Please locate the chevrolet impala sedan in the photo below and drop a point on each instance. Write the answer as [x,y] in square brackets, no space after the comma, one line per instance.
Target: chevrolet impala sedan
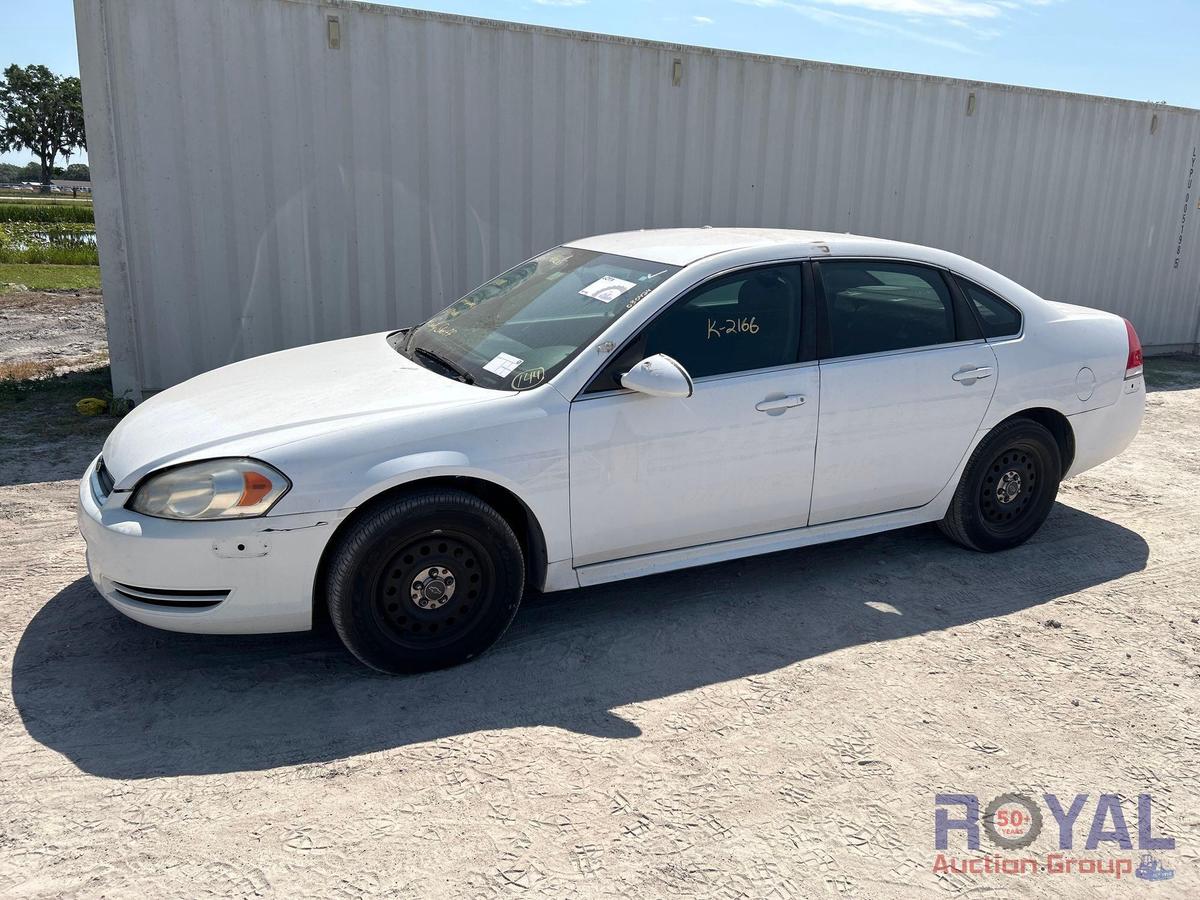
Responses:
[616,406]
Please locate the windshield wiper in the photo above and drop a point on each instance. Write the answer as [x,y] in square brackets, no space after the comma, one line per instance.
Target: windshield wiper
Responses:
[445,364]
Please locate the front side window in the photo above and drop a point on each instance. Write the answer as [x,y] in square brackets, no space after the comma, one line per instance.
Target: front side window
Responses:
[997,317]
[523,327]
[739,322]
[872,306]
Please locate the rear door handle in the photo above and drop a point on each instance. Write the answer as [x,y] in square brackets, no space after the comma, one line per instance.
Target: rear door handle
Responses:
[779,404]
[971,375]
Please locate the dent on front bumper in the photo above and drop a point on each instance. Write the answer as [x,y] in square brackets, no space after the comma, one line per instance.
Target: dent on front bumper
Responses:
[244,576]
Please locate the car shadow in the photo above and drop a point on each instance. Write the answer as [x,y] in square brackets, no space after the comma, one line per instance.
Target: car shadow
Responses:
[1177,372]
[121,700]
[45,436]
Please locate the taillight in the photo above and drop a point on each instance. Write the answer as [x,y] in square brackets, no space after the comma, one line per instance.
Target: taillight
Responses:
[1133,364]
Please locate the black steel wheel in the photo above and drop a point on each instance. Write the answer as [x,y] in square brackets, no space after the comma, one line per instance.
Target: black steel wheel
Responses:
[428,581]
[1007,489]
[433,591]
[1010,488]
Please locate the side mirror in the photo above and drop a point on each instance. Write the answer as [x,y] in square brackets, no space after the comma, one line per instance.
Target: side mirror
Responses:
[658,376]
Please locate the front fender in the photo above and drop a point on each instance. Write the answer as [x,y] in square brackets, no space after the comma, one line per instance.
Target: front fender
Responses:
[393,473]
[518,444]
[550,558]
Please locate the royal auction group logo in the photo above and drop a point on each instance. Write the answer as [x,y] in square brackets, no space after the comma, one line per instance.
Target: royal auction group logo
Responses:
[1013,821]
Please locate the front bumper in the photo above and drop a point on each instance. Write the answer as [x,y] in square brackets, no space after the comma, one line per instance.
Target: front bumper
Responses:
[248,576]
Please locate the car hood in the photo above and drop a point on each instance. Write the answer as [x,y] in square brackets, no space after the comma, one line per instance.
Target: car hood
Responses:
[248,407]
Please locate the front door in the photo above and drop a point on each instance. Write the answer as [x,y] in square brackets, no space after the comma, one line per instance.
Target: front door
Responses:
[734,459]
[905,382]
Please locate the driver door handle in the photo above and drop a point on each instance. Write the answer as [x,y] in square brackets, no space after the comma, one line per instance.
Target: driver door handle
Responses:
[777,404]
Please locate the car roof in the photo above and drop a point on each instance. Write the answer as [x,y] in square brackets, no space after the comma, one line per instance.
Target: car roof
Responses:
[683,246]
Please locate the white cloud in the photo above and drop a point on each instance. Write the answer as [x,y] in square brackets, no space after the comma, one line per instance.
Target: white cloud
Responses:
[967,16]
[702,20]
[872,27]
[942,9]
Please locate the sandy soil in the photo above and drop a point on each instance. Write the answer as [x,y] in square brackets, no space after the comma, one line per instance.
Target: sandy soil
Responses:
[774,727]
[55,331]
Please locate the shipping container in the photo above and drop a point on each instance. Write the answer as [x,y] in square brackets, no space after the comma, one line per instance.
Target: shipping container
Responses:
[270,173]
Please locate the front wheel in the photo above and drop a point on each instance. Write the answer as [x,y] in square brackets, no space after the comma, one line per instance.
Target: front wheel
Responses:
[1007,488]
[426,582]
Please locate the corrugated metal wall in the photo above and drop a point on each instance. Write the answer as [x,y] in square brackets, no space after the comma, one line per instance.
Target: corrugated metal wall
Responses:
[256,189]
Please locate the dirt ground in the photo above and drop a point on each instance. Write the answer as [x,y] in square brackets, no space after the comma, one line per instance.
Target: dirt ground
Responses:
[773,727]
[56,332]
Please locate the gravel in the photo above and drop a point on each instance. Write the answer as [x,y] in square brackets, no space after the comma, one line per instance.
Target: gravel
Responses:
[771,727]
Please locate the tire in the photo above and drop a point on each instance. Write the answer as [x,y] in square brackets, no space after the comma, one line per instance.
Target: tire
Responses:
[1007,488]
[429,581]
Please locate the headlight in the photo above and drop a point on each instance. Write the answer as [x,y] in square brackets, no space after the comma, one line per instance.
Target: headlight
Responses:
[213,489]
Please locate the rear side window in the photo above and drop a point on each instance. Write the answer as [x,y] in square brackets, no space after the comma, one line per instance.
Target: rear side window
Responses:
[875,306]
[997,317]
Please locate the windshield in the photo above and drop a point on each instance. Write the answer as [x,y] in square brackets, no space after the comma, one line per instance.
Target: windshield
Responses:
[522,327]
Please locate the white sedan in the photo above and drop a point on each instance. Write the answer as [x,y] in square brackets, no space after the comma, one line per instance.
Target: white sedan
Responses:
[617,406]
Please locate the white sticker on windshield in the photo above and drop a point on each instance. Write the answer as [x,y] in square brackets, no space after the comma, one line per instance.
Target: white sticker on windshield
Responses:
[503,364]
[607,289]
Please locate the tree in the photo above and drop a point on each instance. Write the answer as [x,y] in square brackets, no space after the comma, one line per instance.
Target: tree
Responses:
[77,172]
[42,113]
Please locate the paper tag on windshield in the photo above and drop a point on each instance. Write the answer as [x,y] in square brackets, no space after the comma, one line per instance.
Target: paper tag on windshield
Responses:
[503,364]
[607,289]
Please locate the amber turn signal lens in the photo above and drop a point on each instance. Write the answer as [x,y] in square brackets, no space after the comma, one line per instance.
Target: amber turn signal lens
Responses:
[256,487]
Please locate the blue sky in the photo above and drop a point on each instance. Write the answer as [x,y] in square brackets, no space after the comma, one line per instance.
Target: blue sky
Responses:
[1142,51]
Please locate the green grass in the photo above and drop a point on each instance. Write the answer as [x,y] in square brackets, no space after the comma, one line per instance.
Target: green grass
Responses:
[45,212]
[51,278]
[54,256]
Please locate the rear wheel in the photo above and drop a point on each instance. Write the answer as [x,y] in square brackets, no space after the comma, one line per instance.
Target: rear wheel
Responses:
[1007,488]
[427,582]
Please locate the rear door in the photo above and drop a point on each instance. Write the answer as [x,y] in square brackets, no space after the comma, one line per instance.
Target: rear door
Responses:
[906,379]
